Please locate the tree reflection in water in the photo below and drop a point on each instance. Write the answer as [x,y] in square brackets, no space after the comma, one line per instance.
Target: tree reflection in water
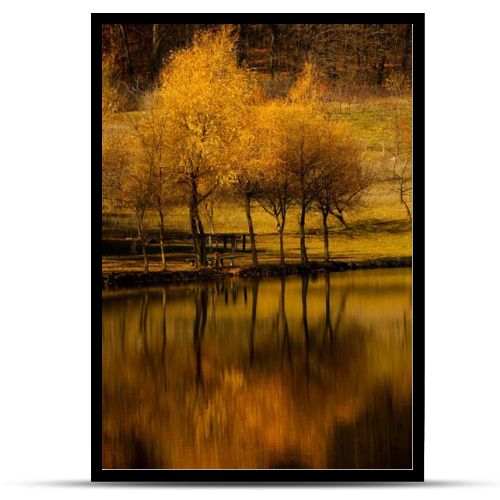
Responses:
[200,321]
[255,293]
[324,383]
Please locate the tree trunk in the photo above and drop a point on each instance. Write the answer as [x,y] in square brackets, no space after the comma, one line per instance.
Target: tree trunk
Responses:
[380,54]
[194,233]
[162,238]
[140,231]
[123,33]
[380,71]
[282,247]
[302,224]
[406,49]
[272,51]
[145,256]
[155,50]
[248,209]
[201,235]
[403,201]
[198,237]
[325,236]
[197,228]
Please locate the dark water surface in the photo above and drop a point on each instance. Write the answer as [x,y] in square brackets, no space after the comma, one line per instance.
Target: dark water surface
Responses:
[302,372]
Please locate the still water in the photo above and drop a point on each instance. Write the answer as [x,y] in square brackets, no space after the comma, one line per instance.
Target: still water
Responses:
[302,372]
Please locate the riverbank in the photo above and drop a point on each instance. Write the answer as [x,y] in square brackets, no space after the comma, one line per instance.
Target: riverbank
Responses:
[127,279]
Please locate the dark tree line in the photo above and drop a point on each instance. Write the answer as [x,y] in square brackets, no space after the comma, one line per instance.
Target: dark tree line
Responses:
[349,54]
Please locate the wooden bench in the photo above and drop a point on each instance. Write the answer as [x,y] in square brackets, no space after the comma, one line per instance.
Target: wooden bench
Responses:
[224,240]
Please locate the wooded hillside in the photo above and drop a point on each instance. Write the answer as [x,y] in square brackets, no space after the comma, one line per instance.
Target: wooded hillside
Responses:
[351,55]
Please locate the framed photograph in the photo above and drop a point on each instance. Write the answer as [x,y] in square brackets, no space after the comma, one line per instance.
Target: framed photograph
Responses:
[258,235]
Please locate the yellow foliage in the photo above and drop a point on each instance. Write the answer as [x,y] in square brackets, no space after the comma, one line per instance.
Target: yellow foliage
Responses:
[109,97]
[309,88]
[203,95]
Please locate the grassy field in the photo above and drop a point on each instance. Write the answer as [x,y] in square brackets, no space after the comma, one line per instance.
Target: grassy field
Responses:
[378,229]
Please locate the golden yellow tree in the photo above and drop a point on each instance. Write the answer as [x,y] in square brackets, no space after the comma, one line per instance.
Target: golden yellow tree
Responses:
[204,96]
[307,141]
[259,149]
[307,148]
[114,163]
[299,139]
[276,191]
[309,88]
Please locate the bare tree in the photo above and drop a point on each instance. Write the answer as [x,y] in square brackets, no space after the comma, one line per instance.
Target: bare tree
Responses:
[276,197]
[249,186]
[149,129]
[401,160]
[135,192]
[340,183]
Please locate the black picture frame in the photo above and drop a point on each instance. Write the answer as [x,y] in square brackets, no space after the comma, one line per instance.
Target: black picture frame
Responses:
[251,476]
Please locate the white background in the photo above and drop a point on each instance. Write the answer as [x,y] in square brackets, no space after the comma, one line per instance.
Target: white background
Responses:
[45,249]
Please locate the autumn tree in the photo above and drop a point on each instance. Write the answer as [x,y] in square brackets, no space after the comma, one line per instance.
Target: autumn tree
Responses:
[114,164]
[306,143]
[131,155]
[341,180]
[149,129]
[209,209]
[204,95]
[276,193]
[133,180]
[258,152]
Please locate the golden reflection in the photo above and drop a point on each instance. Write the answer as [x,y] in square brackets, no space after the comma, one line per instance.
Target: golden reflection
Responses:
[302,372]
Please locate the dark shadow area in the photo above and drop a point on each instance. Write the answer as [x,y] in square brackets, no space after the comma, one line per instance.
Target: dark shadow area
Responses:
[122,247]
[375,226]
[380,438]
